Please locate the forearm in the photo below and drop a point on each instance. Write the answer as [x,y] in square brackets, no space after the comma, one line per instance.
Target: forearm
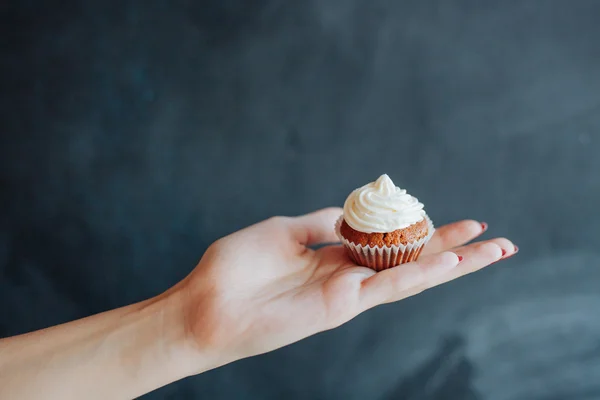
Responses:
[122,353]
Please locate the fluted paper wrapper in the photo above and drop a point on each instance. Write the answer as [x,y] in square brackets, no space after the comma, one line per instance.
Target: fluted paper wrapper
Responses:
[380,258]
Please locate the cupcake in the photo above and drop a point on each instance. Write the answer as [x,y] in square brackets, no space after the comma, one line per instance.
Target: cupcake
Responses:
[383,226]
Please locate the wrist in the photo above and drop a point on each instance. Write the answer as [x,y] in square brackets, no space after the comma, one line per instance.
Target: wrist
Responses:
[182,355]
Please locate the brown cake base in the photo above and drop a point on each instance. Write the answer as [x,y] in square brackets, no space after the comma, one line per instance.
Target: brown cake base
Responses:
[380,251]
[402,236]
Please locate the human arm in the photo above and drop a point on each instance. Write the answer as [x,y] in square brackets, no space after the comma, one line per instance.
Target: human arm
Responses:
[118,354]
[253,291]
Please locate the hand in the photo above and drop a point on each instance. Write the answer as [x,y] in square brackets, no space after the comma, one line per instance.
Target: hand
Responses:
[262,288]
[254,291]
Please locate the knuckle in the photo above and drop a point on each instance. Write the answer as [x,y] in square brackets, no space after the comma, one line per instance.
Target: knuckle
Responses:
[492,249]
[446,257]
[470,227]
[332,210]
[504,243]
[418,290]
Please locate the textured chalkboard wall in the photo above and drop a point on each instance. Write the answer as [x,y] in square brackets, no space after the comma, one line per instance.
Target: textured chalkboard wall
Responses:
[134,133]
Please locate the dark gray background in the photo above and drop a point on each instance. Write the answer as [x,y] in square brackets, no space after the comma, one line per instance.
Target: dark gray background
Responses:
[134,133]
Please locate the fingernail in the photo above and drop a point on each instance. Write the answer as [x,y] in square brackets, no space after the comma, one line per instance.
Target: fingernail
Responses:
[513,253]
[484,226]
[460,258]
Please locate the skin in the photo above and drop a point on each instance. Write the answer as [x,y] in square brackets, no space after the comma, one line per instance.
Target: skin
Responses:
[252,292]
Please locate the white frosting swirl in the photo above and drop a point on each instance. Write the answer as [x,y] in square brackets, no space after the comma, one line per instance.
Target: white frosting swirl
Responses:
[381,206]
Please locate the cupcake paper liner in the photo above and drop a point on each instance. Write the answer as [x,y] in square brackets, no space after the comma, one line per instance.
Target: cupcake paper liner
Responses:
[380,258]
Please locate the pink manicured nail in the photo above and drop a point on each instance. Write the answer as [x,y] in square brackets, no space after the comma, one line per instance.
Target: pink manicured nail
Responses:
[484,226]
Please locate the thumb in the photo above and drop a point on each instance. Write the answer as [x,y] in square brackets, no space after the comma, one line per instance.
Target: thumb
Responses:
[316,227]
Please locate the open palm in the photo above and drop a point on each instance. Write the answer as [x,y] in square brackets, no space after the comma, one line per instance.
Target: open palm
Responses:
[264,287]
